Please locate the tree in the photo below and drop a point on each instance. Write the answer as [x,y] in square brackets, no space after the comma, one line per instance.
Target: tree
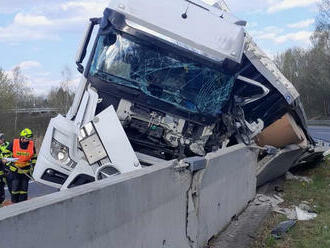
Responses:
[309,70]
[321,37]
[323,18]
[24,97]
[7,95]
[62,96]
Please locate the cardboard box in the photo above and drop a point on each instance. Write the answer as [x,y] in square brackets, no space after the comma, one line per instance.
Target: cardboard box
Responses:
[281,133]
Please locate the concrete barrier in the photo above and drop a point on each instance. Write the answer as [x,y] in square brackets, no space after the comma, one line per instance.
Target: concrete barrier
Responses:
[222,190]
[279,164]
[159,206]
[142,209]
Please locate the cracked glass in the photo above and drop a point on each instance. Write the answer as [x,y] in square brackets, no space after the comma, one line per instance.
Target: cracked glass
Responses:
[161,74]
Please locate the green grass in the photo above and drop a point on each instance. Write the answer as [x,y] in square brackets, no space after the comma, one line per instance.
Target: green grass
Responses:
[305,234]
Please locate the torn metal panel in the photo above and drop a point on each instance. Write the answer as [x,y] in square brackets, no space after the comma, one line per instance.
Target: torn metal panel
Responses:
[312,156]
[269,70]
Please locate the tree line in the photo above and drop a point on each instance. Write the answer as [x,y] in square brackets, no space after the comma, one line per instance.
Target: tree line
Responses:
[16,94]
[309,69]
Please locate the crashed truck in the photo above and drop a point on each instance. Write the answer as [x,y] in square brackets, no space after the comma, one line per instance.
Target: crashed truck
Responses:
[171,80]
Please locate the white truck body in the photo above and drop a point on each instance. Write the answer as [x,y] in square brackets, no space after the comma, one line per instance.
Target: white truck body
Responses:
[217,44]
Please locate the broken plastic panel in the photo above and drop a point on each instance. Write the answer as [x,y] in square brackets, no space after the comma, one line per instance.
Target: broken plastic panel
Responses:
[282,228]
[104,141]
[304,215]
[91,144]
[158,73]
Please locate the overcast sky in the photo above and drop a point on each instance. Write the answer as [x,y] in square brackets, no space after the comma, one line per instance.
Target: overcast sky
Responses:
[42,36]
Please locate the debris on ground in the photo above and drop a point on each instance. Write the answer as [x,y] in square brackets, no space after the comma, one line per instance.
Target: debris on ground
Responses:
[282,228]
[304,215]
[301,212]
[289,213]
[290,176]
[326,154]
[304,206]
[274,202]
[312,198]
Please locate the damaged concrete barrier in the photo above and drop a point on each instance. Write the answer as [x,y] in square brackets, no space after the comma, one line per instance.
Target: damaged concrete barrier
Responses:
[221,191]
[158,206]
[279,164]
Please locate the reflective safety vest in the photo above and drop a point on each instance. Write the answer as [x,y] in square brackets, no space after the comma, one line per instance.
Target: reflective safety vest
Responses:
[4,152]
[24,155]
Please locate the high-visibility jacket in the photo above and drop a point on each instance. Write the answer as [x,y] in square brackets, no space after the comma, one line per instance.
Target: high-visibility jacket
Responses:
[4,153]
[24,155]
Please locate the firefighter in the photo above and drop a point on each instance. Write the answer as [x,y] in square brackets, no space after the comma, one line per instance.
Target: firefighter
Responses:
[20,171]
[4,153]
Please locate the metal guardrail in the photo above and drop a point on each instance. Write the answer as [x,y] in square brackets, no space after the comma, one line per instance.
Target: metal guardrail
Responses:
[318,122]
[33,110]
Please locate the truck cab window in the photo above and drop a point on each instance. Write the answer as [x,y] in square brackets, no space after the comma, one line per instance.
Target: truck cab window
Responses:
[158,73]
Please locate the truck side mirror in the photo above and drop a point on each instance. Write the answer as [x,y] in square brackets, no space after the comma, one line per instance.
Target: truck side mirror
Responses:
[81,54]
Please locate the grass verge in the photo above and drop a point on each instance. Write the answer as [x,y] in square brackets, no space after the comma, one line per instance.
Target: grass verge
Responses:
[305,234]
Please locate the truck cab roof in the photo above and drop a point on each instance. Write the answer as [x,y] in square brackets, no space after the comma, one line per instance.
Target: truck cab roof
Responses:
[197,26]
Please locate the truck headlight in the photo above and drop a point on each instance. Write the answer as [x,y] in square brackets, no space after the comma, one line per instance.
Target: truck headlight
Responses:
[60,153]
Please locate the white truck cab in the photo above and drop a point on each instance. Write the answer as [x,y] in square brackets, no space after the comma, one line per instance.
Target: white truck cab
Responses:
[164,80]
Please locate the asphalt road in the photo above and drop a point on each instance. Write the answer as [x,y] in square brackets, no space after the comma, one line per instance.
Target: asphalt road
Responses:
[320,132]
[35,190]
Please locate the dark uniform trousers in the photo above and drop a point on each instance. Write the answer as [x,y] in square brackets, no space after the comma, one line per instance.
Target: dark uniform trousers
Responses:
[4,153]
[2,189]
[2,183]
[19,184]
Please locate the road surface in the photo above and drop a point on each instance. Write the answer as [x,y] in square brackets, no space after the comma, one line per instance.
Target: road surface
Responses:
[35,190]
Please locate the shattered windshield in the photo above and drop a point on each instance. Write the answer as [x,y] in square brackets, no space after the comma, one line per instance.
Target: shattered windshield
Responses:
[157,73]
